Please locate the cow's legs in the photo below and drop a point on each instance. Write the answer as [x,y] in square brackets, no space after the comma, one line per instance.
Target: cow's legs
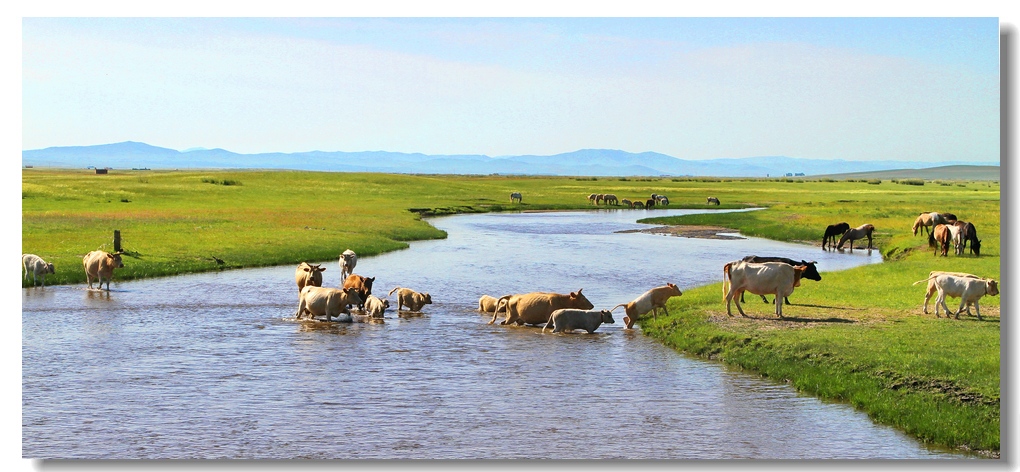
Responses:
[739,308]
[779,305]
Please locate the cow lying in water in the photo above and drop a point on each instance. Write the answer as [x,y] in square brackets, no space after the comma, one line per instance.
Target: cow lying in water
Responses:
[651,301]
[768,277]
[326,301]
[536,307]
[569,319]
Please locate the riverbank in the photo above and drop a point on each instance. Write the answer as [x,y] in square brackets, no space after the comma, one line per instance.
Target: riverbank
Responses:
[857,336]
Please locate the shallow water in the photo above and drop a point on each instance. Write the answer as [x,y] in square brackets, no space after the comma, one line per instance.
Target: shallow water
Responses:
[214,365]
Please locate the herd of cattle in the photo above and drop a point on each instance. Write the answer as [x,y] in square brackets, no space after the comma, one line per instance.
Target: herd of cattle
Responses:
[566,312]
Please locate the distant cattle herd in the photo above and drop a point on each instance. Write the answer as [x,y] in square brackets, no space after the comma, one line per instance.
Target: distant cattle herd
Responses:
[777,276]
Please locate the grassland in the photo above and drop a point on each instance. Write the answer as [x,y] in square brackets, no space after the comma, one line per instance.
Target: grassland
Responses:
[857,336]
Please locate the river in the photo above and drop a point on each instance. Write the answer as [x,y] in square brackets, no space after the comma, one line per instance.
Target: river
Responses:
[213,366]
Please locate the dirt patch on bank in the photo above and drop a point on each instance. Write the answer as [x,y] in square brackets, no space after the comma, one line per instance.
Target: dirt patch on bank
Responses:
[690,231]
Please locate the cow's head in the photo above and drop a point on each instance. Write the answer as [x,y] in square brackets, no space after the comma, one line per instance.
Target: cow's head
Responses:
[578,300]
[810,271]
[676,290]
[993,287]
[50,269]
[353,298]
[426,298]
[607,317]
[114,259]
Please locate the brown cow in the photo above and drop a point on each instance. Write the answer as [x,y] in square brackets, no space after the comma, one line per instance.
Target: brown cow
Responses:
[651,301]
[362,284]
[100,265]
[414,301]
[535,308]
[489,304]
[307,274]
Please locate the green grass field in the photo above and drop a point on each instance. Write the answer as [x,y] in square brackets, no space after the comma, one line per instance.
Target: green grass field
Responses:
[858,336]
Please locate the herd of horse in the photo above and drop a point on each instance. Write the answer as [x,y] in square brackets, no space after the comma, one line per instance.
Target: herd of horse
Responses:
[943,229]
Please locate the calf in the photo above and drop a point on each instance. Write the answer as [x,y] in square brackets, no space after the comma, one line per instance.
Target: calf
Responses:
[768,277]
[811,273]
[36,266]
[651,301]
[375,306]
[968,289]
[100,265]
[307,274]
[932,289]
[489,304]
[413,300]
[568,319]
[363,285]
[320,301]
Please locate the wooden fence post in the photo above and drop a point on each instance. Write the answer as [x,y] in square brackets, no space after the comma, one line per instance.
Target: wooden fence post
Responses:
[116,240]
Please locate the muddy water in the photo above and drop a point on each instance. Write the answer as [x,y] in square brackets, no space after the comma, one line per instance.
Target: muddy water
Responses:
[215,366]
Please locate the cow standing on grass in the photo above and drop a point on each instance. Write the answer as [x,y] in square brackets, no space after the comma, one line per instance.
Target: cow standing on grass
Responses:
[968,289]
[760,279]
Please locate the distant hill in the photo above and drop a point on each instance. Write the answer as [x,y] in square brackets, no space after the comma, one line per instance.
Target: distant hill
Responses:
[584,162]
[961,172]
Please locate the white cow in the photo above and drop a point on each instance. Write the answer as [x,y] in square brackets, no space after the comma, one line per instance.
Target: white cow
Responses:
[566,320]
[376,307]
[932,289]
[969,290]
[774,278]
[319,301]
[347,262]
[36,266]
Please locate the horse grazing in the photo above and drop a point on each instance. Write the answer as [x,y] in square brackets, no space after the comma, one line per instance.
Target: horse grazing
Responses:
[712,200]
[940,236]
[860,232]
[950,218]
[834,231]
[515,197]
[959,236]
[970,234]
[925,222]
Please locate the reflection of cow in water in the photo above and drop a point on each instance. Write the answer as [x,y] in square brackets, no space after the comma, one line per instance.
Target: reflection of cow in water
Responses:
[860,232]
[712,201]
[832,232]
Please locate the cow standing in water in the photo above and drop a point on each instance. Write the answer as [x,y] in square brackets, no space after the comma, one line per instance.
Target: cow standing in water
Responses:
[99,265]
[348,260]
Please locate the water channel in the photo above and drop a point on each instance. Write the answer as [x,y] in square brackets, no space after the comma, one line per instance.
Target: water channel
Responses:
[214,365]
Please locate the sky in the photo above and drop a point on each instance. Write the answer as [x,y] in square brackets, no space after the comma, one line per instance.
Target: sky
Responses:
[924,89]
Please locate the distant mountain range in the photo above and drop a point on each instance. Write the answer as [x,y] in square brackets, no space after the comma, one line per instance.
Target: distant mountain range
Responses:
[585,162]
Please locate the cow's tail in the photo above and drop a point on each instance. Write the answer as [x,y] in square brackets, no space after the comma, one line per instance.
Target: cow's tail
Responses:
[725,278]
[394,290]
[925,280]
[548,324]
[617,306]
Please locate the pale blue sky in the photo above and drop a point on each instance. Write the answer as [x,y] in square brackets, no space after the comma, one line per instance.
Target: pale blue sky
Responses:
[826,88]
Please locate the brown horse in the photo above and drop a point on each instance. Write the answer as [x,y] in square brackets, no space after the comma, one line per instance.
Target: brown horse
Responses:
[941,237]
[860,232]
[834,231]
